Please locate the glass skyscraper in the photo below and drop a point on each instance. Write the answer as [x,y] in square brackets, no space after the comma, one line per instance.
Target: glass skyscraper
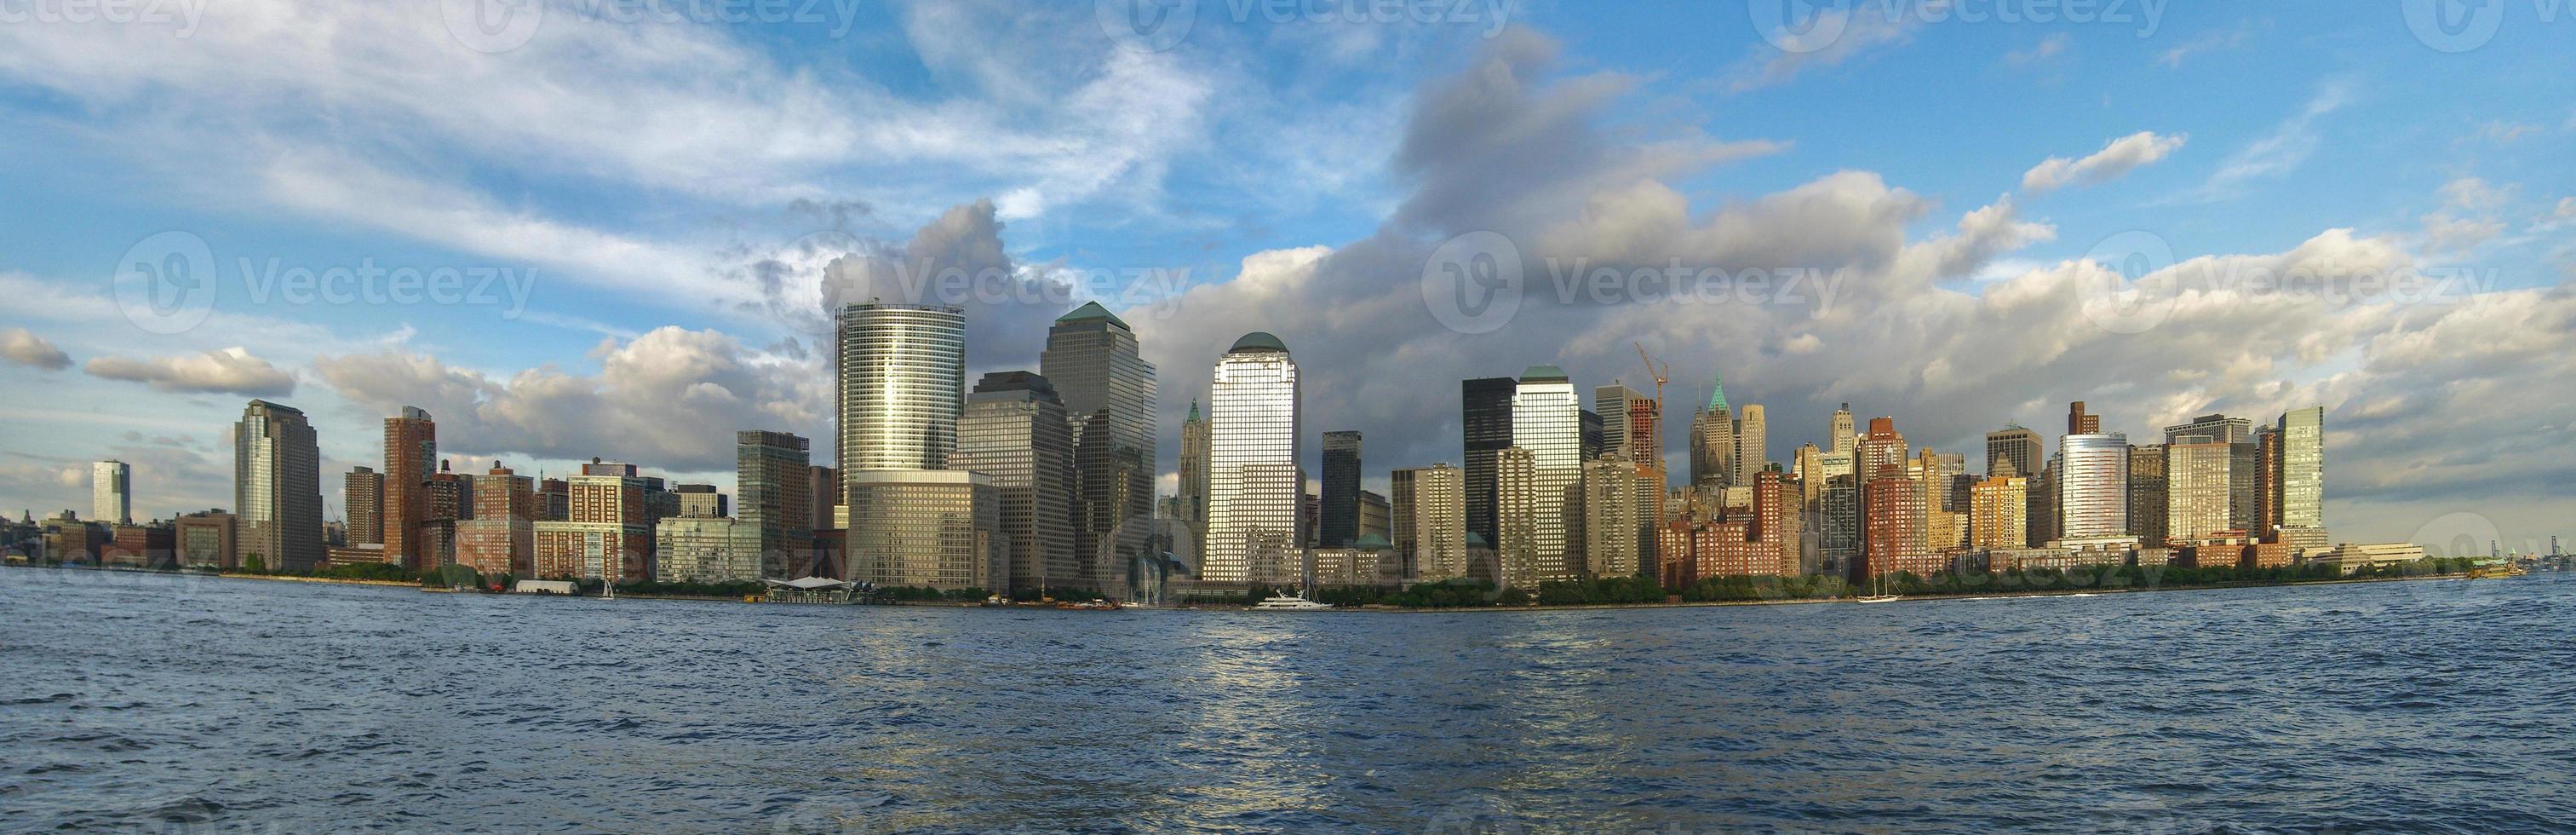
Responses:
[277,487]
[2092,482]
[2303,467]
[903,385]
[1108,390]
[1485,416]
[1254,483]
[1547,420]
[1339,523]
[1015,432]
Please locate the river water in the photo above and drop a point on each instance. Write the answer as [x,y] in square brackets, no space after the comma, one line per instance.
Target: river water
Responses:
[158,703]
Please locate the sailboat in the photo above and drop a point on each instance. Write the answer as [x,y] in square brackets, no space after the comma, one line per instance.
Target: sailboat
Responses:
[1878,584]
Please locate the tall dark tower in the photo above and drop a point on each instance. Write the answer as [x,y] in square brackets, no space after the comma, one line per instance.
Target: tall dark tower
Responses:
[1485,417]
[1340,522]
[1108,393]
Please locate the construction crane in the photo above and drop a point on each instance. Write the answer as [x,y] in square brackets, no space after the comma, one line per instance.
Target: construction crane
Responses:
[1660,375]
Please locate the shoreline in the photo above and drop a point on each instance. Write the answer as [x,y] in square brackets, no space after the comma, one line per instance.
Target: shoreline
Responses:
[1373,608]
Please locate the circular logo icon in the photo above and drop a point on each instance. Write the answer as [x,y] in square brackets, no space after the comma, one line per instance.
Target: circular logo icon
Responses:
[1146,25]
[165,284]
[2453,26]
[2127,284]
[492,26]
[2457,535]
[1473,283]
[1800,26]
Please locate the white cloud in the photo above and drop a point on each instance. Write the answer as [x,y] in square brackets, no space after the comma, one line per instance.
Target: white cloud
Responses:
[2282,150]
[2213,41]
[2117,157]
[2048,47]
[228,371]
[1835,35]
[20,346]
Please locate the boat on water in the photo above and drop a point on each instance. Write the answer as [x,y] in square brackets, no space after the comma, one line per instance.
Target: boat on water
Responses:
[1878,598]
[1290,603]
[2496,570]
[1093,605]
[1878,591]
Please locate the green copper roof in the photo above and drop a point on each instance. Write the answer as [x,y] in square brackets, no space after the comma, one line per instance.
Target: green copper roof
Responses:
[1371,542]
[1543,373]
[1716,392]
[1258,341]
[1091,312]
[1194,410]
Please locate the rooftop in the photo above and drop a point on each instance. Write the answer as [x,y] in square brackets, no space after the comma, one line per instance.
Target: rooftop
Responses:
[1258,341]
[1091,312]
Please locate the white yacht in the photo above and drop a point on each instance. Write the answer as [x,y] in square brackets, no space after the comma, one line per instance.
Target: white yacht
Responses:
[1291,603]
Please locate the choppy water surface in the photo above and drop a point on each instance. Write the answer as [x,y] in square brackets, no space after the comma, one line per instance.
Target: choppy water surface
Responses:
[150,702]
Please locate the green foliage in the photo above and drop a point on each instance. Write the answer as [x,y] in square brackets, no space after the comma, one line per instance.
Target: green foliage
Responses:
[651,588]
[1448,594]
[924,594]
[1601,591]
[367,571]
[1754,588]
[254,564]
[451,576]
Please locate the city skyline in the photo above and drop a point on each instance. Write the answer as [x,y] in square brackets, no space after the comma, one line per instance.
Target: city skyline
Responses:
[2107,160]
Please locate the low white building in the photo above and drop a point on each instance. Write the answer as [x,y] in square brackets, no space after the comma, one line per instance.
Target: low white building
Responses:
[706,550]
[2352,557]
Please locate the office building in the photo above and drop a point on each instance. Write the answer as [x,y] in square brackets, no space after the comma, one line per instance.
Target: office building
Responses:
[1485,420]
[1093,361]
[1517,499]
[1892,526]
[1752,444]
[411,457]
[1713,440]
[1015,432]
[1776,530]
[1609,515]
[1255,485]
[1193,487]
[2092,486]
[1845,439]
[2012,450]
[2148,496]
[111,492]
[1616,404]
[205,539]
[2302,479]
[2211,428]
[362,493]
[2080,422]
[701,501]
[1339,516]
[277,487]
[2197,478]
[775,493]
[1439,527]
[706,549]
[937,529]
[1375,516]
[902,387]
[1546,420]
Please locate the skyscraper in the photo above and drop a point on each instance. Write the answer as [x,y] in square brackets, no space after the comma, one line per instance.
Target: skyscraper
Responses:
[902,386]
[1844,438]
[605,532]
[1254,483]
[1194,485]
[1547,421]
[2303,468]
[773,481]
[2014,447]
[111,492]
[1015,433]
[2147,493]
[2197,474]
[1997,509]
[1485,420]
[362,493]
[1439,527]
[1752,444]
[1609,514]
[1108,390]
[1612,403]
[1340,516]
[2092,484]
[411,457]
[1713,440]
[1882,447]
[938,529]
[1776,530]
[2080,422]
[277,487]
[1892,526]
[1516,510]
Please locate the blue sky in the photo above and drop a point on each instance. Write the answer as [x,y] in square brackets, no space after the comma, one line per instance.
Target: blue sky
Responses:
[651,170]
